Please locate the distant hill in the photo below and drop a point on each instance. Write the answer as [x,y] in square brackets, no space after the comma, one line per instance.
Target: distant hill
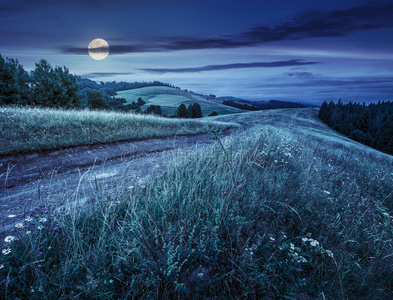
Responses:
[259,105]
[169,98]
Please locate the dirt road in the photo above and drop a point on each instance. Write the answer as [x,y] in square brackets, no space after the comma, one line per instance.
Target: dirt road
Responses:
[64,176]
[75,174]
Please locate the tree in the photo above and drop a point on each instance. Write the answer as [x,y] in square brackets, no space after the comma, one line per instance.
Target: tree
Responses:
[14,83]
[96,101]
[182,111]
[154,109]
[141,102]
[194,111]
[54,87]
[68,88]
[214,113]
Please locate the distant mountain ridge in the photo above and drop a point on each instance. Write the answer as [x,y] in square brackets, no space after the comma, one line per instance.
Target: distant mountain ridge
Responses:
[259,105]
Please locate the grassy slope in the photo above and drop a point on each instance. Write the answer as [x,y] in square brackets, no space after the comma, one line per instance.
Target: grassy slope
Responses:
[170,98]
[286,208]
[32,129]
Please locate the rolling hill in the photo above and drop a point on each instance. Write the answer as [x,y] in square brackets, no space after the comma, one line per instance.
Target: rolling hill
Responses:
[170,98]
[286,209]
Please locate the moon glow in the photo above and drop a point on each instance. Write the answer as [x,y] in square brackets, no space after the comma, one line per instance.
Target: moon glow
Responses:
[98,49]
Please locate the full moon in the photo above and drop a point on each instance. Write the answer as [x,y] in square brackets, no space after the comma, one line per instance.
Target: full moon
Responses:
[98,49]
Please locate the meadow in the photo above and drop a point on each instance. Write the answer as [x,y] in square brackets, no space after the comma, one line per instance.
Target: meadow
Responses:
[286,209]
[28,129]
[170,98]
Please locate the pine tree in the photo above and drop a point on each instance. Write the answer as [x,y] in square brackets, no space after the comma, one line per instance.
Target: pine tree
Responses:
[182,111]
[14,83]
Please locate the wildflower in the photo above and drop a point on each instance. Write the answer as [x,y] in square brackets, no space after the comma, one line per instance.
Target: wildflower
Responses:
[292,246]
[28,232]
[40,227]
[11,216]
[43,220]
[19,225]
[302,259]
[29,219]
[330,253]
[6,251]
[299,270]
[314,243]
[272,239]
[9,239]
[1,266]
[55,228]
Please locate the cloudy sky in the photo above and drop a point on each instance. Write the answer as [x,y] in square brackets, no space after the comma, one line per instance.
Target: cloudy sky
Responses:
[301,50]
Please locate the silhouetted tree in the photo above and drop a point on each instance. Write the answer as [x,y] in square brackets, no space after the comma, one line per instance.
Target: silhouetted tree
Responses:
[182,111]
[194,111]
[14,83]
[96,101]
[154,109]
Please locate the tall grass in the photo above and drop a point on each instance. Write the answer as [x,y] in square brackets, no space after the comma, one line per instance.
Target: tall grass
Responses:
[32,129]
[270,213]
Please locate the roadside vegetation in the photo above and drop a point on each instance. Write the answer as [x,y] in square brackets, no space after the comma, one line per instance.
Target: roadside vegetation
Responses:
[27,129]
[278,211]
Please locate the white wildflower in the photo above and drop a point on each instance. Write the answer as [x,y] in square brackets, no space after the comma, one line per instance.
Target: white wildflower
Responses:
[6,251]
[9,239]
[29,219]
[1,266]
[28,232]
[19,225]
[43,220]
[292,246]
[301,259]
[40,227]
[11,216]
[272,239]
[304,239]
[314,243]
[330,253]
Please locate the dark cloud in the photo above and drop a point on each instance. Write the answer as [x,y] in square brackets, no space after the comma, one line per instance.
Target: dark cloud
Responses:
[334,23]
[312,24]
[299,74]
[21,6]
[274,64]
[345,82]
[105,74]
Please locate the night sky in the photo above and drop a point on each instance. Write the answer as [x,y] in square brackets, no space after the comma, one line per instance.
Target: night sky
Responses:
[300,50]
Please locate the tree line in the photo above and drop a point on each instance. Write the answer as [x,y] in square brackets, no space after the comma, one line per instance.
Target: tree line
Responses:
[255,105]
[371,124]
[44,86]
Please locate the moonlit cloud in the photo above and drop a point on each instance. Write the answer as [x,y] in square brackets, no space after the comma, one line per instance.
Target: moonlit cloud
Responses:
[312,24]
[105,74]
[274,64]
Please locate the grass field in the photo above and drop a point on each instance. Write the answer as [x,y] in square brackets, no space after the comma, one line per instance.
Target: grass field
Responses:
[33,129]
[285,210]
[170,98]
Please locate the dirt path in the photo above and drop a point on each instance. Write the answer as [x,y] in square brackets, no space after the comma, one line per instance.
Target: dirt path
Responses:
[65,176]
[75,174]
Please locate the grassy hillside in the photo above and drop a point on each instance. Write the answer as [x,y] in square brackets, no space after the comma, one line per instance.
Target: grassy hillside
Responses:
[170,98]
[32,129]
[288,209]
